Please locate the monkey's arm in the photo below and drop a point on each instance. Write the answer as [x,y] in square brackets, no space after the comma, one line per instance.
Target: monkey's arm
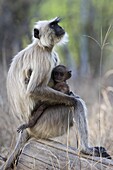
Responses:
[37,90]
[51,96]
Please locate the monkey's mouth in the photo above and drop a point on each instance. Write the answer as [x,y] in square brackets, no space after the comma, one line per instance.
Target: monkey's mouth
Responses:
[60,33]
[58,81]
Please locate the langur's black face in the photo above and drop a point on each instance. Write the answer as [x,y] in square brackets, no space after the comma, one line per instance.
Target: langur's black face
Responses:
[49,33]
[59,31]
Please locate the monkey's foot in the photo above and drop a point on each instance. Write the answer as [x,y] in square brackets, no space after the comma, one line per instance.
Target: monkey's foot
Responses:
[102,152]
[97,151]
[21,128]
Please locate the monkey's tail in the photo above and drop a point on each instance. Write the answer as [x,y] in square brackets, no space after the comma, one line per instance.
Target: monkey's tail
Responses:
[22,139]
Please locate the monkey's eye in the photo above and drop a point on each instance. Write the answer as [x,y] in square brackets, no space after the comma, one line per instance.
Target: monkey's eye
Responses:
[59,74]
[56,73]
[53,24]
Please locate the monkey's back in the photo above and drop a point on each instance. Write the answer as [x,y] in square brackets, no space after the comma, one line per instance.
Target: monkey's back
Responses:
[33,57]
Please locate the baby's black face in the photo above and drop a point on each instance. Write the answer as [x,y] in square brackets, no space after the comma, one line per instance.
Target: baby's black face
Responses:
[61,75]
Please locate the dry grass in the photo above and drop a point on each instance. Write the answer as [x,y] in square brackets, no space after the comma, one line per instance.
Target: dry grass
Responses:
[6,125]
[101,118]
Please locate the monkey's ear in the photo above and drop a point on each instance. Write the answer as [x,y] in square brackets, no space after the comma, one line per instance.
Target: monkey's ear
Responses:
[36,33]
[69,74]
[70,71]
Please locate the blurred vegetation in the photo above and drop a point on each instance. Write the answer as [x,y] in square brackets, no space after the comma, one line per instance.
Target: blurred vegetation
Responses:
[89,54]
[80,17]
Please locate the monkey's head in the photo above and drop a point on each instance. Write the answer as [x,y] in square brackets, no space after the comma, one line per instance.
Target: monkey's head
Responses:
[49,33]
[60,74]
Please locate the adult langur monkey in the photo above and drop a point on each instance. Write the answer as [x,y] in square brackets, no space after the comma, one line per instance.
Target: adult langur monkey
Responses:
[39,58]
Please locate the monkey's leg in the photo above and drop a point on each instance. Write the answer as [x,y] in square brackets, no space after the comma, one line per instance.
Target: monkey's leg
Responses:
[81,125]
[35,115]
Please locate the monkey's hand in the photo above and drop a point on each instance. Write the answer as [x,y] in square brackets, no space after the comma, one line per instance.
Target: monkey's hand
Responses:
[75,95]
[22,127]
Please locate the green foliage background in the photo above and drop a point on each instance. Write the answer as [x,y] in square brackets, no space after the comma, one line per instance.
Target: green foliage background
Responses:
[80,17]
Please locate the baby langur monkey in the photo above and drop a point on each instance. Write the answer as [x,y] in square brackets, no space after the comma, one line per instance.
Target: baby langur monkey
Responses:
[59,76]
[58,82]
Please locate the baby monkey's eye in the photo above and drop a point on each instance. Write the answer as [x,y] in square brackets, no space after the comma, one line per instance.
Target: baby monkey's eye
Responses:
[56,73]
